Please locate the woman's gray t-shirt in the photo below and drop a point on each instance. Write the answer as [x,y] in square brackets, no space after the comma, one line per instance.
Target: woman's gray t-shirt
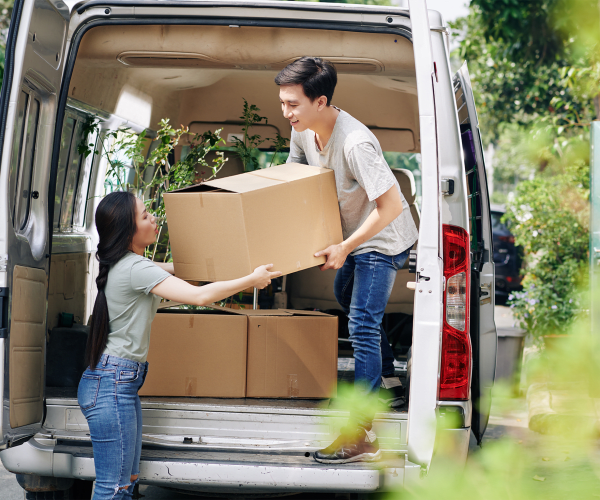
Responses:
[131,306]
[361,176]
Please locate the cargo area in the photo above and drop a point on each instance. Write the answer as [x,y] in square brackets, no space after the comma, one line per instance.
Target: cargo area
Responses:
[198,76]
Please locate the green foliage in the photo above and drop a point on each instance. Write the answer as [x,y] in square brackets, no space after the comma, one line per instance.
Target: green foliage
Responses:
[248,148]
[550,221]
[6,8]
[149,175]
[535,74]
[520,77]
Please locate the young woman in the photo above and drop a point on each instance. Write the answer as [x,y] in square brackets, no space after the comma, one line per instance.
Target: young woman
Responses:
[129,290]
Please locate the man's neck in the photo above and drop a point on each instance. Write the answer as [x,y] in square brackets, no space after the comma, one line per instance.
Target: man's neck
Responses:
[324,128]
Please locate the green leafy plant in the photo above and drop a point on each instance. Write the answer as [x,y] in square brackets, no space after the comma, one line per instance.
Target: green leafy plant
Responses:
[550,221]
[248,147]
[150,175]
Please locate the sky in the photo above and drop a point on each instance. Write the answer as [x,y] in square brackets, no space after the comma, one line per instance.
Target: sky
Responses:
[450,9]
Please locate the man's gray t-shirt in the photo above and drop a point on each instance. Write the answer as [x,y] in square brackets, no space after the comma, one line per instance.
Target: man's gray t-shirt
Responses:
[131,306]
[361,175]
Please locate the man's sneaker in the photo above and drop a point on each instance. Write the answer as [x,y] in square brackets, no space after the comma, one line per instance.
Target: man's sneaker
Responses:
[358,445]
[391,392]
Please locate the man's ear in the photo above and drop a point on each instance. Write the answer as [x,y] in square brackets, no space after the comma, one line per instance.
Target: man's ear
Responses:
[322,103]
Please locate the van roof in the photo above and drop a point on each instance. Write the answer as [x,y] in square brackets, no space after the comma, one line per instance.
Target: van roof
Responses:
[435,18]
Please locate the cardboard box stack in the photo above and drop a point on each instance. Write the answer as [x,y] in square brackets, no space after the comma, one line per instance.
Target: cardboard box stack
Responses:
[271,353]
[222,230]
[225,228]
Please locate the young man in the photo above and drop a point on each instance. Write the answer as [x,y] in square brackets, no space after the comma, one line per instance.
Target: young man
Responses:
[377,227]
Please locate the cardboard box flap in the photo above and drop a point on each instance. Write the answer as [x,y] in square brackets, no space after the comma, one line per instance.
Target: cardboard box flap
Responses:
[295,312]
[260,179]
[289,172]
[243,183]
[253,312]
[271,312]
[166,307]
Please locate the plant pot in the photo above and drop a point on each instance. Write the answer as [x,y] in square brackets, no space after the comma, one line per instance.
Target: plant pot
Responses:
[509,357]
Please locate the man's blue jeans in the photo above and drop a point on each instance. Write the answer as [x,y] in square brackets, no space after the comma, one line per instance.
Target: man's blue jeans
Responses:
[108,397]
[362,287]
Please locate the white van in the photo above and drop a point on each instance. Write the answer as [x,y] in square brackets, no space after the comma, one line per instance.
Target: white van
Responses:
[132,63]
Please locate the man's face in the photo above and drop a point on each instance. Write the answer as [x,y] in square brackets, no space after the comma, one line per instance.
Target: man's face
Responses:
[299,109]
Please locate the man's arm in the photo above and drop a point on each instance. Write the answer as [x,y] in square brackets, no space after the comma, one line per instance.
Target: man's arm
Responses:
[389,206]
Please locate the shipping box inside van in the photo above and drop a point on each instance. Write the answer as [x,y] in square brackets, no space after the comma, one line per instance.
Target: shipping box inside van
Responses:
[225,228]
[225,353]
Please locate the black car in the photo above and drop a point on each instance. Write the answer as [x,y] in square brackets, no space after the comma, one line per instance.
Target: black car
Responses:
[507,256]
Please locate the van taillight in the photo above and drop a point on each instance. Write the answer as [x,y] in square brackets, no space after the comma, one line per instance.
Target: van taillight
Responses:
[456,345]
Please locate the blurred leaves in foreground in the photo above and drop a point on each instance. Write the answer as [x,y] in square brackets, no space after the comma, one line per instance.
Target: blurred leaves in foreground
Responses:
[563,464]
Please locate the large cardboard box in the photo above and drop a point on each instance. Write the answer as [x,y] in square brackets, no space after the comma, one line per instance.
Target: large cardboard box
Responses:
[292,354]
[225,228]
[197,353]
[225,353]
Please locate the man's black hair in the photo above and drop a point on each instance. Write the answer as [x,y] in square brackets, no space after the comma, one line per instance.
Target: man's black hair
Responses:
[317,76]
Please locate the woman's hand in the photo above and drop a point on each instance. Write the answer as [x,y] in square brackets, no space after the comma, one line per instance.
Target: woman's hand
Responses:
[179,291]
[262,276]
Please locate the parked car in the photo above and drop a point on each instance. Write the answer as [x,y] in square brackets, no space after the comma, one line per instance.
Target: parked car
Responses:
[508,257]
[134,63]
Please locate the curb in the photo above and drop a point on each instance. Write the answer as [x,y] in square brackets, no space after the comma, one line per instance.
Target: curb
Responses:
[561,411]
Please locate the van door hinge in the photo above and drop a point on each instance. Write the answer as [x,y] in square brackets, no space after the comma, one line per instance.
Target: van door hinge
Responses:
[3,263]
[3,312]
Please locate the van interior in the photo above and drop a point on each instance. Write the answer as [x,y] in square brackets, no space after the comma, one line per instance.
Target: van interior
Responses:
[198,76]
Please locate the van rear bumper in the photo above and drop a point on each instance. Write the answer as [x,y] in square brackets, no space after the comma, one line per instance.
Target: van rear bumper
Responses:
[217,471]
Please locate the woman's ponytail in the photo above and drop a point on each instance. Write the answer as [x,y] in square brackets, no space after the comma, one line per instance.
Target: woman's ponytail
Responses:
[115,222]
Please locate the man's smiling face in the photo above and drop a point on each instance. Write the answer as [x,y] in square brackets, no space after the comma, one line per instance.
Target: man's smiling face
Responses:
[299,109]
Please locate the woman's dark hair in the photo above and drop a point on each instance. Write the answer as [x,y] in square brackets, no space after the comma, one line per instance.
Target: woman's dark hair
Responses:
[115,222]
[317,76]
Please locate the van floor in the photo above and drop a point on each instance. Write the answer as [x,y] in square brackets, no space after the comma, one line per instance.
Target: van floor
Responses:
[345,374]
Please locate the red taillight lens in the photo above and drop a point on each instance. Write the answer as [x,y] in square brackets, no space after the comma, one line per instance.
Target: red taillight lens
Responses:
[456,345]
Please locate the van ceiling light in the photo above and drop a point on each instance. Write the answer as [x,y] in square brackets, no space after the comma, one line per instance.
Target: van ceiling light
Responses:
[149,59]
[343,64]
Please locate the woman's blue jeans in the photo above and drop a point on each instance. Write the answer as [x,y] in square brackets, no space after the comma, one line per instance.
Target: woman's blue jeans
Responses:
[362,287]
[108,397]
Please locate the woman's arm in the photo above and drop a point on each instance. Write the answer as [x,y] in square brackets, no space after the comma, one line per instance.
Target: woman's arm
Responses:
[179,291]
[166,266]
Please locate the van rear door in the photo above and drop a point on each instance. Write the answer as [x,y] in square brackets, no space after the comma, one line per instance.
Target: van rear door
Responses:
[428,304]
[33,72]
[483,327]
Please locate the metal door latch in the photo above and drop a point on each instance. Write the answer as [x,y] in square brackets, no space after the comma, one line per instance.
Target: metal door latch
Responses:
[447,187]
[485,289]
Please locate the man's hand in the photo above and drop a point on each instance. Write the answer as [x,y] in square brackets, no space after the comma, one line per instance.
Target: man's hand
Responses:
[336,256]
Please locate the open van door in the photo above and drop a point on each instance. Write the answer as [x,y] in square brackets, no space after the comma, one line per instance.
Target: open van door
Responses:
[483,327]
[33,72]
[428,304]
